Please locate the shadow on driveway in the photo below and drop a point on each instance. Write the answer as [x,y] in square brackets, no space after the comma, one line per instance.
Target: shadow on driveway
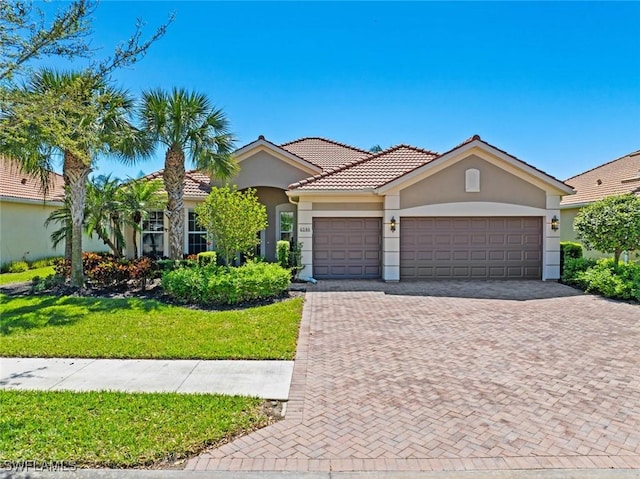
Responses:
[523,290]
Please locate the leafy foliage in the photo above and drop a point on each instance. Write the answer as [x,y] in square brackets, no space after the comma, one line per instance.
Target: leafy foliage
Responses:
[611,225]
[282,249]
[569,249]
[603,277]
[574,266]
[18,267]
[105,270]
[233,218]
[207,257]
[226,285]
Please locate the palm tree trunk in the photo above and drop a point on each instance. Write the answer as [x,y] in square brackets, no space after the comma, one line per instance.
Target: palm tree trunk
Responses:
[68,237]
[173,177]
[77,172]
[135,243]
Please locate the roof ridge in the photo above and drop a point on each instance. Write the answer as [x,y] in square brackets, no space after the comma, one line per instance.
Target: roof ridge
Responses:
[357,162]
[633,153]
[344,145]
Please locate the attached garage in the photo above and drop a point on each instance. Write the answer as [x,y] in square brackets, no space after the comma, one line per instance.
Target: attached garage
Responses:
[348,248]
[471,247]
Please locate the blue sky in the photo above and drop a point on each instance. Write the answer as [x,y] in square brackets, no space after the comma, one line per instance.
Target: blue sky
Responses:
[555,84]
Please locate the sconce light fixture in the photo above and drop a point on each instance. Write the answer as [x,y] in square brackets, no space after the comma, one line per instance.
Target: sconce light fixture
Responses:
[393,223]
[555,223]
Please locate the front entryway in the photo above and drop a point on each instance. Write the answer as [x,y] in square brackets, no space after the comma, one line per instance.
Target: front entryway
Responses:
[347,248]
[471,247]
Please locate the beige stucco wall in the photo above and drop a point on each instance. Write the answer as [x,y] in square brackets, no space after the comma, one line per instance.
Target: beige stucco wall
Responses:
[271,198]
[22,230]
[332,206]
[496,186]
[263,169]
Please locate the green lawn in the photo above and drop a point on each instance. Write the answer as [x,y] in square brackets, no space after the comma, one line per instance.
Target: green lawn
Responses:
[49,326]
[109,429]
[8,278]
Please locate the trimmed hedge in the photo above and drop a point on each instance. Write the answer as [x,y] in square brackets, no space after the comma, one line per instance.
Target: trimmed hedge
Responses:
[226,285]
[283,247]
[569,249]
[207,257]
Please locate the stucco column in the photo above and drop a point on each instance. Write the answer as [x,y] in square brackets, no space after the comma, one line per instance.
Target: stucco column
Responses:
[305,236]
[551,241]
[391,239]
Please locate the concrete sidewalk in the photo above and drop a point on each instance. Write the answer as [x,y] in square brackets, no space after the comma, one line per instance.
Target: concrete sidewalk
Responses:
[264,379]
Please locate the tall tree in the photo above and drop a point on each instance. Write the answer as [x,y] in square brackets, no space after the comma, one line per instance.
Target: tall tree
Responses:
[188,126]
[86,117]
[138,197]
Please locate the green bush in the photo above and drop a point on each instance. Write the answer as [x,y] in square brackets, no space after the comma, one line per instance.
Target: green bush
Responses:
[207,257]
[43,262]
[573,267]
[226,285]
[569,249]
[604,279]
[18,267]
[282,247]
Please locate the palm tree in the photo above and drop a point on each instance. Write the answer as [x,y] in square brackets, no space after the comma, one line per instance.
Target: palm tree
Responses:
[86,117]
[104,212]
[187,125]
[62,216]
[138,197]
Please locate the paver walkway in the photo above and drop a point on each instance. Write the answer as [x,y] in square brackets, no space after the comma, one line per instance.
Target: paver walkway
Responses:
[454,376]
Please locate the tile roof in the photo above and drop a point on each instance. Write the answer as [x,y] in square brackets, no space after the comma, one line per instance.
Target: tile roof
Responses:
[15,184]
[370,172]
[196,184]
[614,178]
[326,154]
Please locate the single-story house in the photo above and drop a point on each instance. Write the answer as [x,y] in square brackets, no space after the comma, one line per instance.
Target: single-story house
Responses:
[616,177]
[23,210]
[474,211]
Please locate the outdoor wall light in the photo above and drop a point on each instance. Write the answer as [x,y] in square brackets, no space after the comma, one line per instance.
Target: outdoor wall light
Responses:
[393,223]
[555,223]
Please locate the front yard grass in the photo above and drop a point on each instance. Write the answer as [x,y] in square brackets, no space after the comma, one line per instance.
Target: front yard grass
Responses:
[110,429]
[9,278]
[49,326]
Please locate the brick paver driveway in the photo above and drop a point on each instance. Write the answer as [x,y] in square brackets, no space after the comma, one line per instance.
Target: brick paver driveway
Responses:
[454,375]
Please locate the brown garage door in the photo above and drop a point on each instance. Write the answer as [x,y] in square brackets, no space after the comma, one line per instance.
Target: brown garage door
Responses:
[473,247]
[346,247]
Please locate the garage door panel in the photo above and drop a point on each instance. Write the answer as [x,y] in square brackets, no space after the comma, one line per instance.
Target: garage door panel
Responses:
[471,247]
[353,250]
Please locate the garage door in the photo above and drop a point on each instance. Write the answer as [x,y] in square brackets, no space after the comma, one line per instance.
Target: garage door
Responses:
[346,247]
[473,247]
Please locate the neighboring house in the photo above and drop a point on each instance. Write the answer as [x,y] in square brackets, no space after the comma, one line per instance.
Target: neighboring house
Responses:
[613,178]
[23,210]
[404,213]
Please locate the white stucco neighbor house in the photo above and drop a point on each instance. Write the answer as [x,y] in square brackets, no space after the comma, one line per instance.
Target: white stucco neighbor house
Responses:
[23,210]
[404,213]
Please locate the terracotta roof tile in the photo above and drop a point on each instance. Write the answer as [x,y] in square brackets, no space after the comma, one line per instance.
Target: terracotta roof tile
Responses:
[15,184]
[371,172]
[326,154]
[196,184]
[614,178]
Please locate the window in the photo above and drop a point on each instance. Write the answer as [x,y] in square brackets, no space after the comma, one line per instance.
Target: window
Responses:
[197,235]
[286,225]
[153,235]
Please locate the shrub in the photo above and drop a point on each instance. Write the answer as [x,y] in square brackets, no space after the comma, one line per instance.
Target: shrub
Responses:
[573,267]
[105,270]
[569,249]
[18,267]
[282,248]
[207,257]
[605,279]
[43,262]
[226,285]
